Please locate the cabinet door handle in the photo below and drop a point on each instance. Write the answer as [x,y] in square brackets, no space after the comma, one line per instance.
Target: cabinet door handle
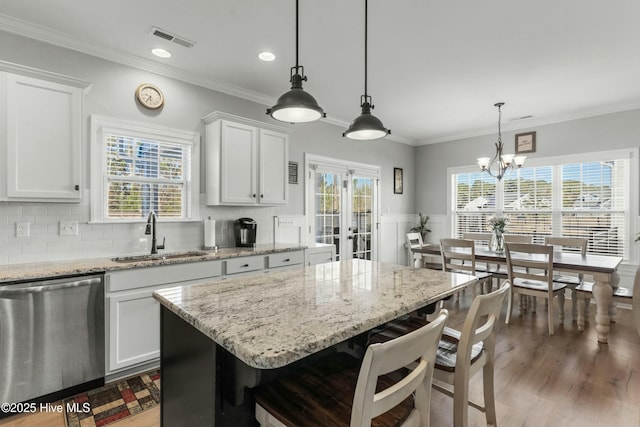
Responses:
[253,195]
[262,196]
[77,187]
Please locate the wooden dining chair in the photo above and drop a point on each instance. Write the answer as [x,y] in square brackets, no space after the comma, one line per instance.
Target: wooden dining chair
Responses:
[517,238]
[459,256]
[501,272]
[341,391]
[530,269]
[572,245]
[620,294]
[482,240]
[462,354]
[414,240]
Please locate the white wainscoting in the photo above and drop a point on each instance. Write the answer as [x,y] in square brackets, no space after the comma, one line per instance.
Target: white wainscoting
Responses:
[393,228]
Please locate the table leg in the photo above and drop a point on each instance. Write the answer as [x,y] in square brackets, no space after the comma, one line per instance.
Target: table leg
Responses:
[580,301]
[602,292]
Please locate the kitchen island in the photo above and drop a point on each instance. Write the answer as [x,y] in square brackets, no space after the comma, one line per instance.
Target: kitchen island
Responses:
[220,338]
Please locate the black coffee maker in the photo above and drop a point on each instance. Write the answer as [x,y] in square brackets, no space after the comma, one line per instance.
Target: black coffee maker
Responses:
[245,232]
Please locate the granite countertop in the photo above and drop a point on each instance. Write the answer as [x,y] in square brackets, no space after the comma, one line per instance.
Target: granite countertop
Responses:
[271,320]
[52,269]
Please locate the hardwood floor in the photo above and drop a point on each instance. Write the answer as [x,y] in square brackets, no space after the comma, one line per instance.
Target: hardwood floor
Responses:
[564,380]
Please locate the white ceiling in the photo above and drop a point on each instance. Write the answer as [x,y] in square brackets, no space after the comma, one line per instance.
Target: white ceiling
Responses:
[435,67]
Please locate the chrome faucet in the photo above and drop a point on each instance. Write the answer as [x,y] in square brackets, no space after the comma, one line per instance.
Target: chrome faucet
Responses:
[151,229]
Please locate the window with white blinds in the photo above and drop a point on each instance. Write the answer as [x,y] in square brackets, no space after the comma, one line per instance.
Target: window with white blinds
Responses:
[143,169]
[475,202]
[145,175]
[554,197]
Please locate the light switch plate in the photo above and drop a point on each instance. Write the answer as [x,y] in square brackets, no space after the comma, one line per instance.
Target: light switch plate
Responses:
[68,228]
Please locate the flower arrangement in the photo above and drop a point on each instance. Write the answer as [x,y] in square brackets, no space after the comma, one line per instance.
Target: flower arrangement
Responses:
[496,223]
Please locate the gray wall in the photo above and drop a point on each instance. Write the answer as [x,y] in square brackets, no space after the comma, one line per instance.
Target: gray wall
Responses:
[599,133]
[112,95]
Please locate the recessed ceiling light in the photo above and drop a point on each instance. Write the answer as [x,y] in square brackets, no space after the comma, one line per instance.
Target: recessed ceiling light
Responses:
[266,56]
[161,53]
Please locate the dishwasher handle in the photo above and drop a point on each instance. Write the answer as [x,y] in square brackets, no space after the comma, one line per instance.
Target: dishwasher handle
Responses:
[34,288]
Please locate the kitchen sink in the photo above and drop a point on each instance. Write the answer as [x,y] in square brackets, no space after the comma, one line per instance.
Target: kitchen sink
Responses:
[159,257]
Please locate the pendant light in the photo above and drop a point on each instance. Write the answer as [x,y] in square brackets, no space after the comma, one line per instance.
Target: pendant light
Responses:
[505,162]
[296,106]
[366,126]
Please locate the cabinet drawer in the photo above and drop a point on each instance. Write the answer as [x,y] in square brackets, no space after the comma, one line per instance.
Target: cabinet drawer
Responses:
[320,257]
[153,276]
[244,264]
[284,259]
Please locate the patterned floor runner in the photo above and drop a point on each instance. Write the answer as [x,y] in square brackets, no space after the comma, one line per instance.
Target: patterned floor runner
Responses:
[114,401]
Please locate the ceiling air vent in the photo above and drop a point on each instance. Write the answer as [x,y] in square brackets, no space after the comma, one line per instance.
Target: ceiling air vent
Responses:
[158,32]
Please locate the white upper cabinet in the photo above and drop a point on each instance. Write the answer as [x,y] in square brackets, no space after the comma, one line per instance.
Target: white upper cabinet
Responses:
[247,161]
[273,155]
[238,161]
[42,139]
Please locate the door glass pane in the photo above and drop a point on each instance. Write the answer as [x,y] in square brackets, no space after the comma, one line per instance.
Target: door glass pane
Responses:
[362,209]
[327,204]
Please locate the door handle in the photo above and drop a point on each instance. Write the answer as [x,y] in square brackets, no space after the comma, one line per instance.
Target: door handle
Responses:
[19,290]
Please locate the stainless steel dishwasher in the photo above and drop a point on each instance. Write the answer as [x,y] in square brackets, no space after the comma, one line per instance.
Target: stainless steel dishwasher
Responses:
[51,337]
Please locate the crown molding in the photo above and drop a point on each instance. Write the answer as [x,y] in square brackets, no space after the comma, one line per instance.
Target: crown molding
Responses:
[57,38]
[521,125]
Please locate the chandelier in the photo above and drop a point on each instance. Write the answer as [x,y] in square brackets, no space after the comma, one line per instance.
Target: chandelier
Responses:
[505,162]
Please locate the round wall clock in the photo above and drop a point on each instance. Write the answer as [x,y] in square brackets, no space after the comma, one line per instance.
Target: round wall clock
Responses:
[149,96]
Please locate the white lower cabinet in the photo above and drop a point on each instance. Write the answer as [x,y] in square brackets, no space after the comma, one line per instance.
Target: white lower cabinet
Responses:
[133,328]
[133,315]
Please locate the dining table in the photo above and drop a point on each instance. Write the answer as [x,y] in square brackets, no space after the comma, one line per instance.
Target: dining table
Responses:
[603,269]
[221,338]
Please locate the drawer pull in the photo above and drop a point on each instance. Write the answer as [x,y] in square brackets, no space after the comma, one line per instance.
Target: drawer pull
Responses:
[244,265]
[286,260]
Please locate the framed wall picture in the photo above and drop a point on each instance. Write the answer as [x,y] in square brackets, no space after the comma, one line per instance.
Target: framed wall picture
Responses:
[526,142]
[397,180]
[293,172]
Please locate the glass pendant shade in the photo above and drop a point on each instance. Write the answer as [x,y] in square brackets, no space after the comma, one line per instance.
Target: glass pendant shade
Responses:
[296,106]
[366,126]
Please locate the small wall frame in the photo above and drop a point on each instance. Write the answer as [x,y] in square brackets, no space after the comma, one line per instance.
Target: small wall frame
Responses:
[397,181]
[526,142]
[293,172]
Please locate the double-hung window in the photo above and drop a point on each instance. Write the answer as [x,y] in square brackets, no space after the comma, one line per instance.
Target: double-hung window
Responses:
[588,195]
[139,168]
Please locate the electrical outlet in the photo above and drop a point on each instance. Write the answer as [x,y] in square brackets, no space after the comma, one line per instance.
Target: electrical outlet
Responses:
[68,228]
[22,229]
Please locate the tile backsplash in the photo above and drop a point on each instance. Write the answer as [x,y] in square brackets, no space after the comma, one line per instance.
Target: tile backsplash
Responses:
[45,242]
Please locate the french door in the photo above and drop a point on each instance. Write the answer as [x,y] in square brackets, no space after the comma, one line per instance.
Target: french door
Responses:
[342,201]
